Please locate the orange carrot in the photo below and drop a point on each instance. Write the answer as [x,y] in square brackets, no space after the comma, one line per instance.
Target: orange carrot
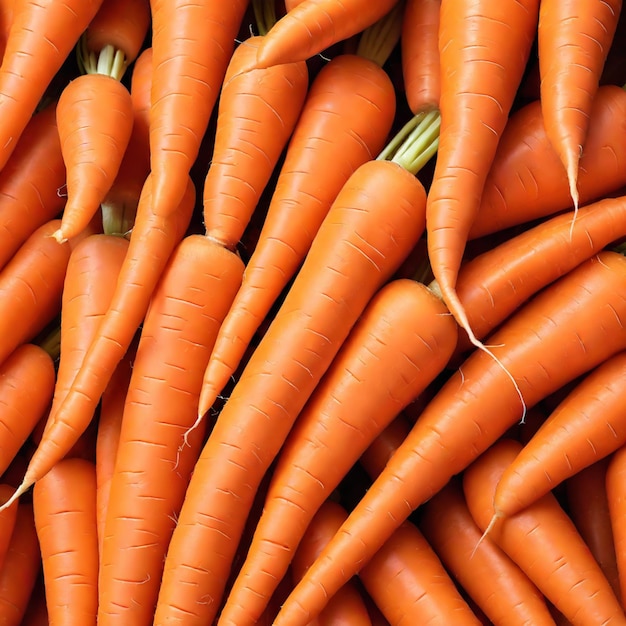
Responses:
[351,101]
[7,11]
[566,572]
[375,457]
[615,476]
[373,223]
[543,345]
[192,44]
[400,344]
[573,39]
[8,518]
[64,503]
[484,47]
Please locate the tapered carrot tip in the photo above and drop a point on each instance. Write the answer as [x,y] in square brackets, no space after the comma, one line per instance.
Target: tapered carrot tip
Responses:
[22,489]
[492,522]
[59,236]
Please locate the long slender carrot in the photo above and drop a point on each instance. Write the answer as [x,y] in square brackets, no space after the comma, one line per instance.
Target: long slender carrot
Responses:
[399,345]
[64,504]
[192,44]
[543,346]
[373,223]
[544,542]
[615,474]
[348,111]
[573,39]
[484,47]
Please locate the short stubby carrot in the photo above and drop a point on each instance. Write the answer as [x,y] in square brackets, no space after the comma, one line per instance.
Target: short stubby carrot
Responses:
[371,227]
[544,345]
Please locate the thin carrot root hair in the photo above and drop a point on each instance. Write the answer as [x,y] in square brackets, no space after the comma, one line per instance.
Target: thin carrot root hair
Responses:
[492,522]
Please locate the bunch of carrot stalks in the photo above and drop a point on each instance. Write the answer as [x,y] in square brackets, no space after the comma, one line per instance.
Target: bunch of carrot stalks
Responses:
[312,312]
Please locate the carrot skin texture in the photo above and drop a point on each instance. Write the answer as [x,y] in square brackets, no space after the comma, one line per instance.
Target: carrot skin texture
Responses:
[188,305]
[541,338]
[510,599]
[482,56]
[585,427]
[188,75]
[527,180]
[372,225]
[350,406]
[567,574]
[42,35]
[64,503]
[358,123]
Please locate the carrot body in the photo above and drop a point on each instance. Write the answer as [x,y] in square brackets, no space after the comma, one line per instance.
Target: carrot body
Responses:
[348,112]
[574,37]
[483,47]
[372,225]
[543,345]
[42,35]
[616,496]
[528,181]
[257,112]
[192,44]
[510,598]
[401,342]
[314,25]
[64,503]
[153,467]
[566,573]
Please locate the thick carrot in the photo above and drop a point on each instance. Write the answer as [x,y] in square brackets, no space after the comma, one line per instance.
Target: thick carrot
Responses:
[152,467]
[372,225]
[573,40]
[314,25]
[64,503]
[510,597]
[616,497]
[543,346]
[483,47]
[527,179]
[31,183]
[42,35]
[192,44]
[544,542]
[348,111]
[400,344]
[347,606]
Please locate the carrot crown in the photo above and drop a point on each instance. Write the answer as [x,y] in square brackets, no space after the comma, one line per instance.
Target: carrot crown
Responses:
[378,40]
[110,61]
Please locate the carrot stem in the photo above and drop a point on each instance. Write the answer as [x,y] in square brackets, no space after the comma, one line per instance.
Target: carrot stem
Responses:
[110,61]
[378,40]
[264,15]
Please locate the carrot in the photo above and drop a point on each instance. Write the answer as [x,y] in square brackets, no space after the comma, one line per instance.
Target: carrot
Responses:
[527,179]
[8,518]
[30,183]
[7,11]
[64,503]
[21,566]
[42,35]
[573,41]
[152,240]
[314,25]
[348,111]
[192,44]
[615,473]
[566,572]
[510,597]
[152,467]
[401,342]
[409,584]
[347,606]
[370,228]
[37,612]
[494,284]
[543,346]
[484,47]
[588,506]
[420,54]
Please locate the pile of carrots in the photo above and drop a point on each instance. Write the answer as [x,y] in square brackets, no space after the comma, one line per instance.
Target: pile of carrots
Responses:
[312,312]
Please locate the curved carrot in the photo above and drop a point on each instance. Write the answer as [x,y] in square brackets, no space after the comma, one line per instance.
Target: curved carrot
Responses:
[573,39]
[566,572]
[478,84]
[64,503]
[475,407]
[152,467]
[348,112]
[373,223]
[527,179]
[192,44]
[401,342]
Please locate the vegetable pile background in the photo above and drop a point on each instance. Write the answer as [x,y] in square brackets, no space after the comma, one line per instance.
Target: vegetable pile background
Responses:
[312,312]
